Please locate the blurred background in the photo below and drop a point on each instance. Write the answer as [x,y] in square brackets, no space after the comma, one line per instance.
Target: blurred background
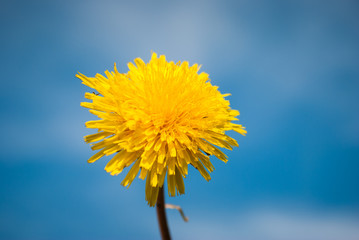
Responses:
[292,68]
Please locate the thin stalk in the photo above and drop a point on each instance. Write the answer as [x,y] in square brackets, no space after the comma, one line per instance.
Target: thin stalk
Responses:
[161,215]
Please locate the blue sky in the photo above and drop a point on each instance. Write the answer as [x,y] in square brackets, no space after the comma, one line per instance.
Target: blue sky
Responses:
[292,68]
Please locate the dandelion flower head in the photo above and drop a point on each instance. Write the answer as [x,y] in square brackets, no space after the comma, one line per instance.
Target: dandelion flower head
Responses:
[157,119]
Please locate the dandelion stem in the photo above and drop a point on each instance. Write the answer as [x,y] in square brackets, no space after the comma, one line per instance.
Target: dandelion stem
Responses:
[161,215]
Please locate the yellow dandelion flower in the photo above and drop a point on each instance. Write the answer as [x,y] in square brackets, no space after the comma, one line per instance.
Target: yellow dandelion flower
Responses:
[159,117]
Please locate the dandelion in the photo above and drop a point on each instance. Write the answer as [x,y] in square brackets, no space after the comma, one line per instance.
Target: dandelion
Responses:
[157,119]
